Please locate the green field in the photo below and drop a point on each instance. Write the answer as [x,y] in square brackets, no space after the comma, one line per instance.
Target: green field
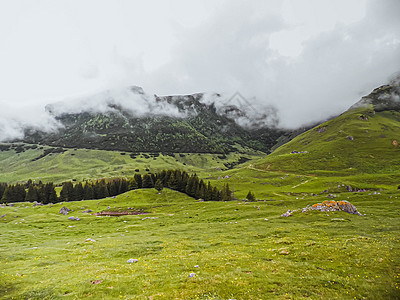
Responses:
[236,249]
[239,254]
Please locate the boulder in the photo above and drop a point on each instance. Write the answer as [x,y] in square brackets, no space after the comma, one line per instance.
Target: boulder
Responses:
[64,211]
[333,206]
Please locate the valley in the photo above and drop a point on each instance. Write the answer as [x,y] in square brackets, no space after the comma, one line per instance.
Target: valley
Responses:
[180,247]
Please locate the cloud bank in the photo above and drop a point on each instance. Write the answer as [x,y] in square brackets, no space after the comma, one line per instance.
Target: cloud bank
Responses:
[232,52]
[230,47]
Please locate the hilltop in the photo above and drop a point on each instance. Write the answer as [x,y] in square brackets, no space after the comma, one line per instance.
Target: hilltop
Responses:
[364,139]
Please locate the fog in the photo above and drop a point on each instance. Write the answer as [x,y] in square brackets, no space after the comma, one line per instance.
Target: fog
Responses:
[295,61]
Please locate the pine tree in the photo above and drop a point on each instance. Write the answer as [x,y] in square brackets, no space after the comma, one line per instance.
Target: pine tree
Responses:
[147,181]
[7,195]
[173,182]
[123,188]
[132,184]
[88,192]
[158,185]
[2,189]
[138,179]
[32,195]
[250,196]
[78,193]
[67,191]
[226,193]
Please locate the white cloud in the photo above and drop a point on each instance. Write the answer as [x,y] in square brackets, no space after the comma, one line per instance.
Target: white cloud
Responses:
[309,58]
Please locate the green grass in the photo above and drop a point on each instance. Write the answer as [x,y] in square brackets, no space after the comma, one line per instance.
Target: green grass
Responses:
[332,153]
[82,164]
[240,255]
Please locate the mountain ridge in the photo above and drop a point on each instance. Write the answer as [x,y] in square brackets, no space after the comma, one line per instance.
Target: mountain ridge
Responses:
[179,123]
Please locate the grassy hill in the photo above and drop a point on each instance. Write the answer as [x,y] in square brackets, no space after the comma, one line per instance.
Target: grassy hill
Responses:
[20,162]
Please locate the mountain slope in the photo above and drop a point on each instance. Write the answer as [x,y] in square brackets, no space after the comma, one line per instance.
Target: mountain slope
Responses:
[171,124]
[364,139]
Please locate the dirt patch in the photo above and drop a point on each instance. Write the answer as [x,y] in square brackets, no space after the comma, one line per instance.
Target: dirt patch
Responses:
[119,213]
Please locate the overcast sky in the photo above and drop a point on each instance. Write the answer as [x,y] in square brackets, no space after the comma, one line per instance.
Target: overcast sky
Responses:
[309,58]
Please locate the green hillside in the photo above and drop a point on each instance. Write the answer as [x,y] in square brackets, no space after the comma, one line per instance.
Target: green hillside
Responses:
[363,140]
[20,162]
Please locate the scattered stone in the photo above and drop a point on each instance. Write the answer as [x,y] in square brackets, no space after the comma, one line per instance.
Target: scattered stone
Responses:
[96,281]
[298,152]
[35,203]
[349,137]
[90,240]
[196,266]
[64,211]
[339,220]
[11,204]
[266,220]
[87,211]
[2,216]
[2,205]
[132,260]
[192,275]
[74,219]
[152,218]
[287,214]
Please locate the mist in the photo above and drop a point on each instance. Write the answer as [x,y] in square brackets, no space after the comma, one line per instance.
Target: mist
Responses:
[294,62]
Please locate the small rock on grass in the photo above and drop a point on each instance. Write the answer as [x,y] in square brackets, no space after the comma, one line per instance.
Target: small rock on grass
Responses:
[132,260]
[192,275]
[287,214]
[64,210]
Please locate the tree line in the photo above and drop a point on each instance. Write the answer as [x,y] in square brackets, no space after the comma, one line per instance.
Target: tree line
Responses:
[176,180]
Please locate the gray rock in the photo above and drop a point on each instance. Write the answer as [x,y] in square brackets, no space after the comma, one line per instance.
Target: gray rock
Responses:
[72,218]
[2,216]
[132,260]
[287,214]
[192,275]
[64,211]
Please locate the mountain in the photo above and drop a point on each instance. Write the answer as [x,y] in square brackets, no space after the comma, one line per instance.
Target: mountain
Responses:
[363,140]
[130,120]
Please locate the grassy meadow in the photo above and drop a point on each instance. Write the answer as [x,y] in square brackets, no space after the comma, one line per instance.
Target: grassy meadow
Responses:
[236,249]
[188,249]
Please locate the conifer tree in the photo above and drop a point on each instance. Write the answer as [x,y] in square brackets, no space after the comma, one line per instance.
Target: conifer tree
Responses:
[147,181]
[138,179]
[250,196]
[7,195]
[2,189]
[67,191]
[132,184]
[32,195]
[158,185]
[88,192]
[78,193]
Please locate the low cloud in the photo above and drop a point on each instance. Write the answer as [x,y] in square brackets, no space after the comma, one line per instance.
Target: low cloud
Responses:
[232,53]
